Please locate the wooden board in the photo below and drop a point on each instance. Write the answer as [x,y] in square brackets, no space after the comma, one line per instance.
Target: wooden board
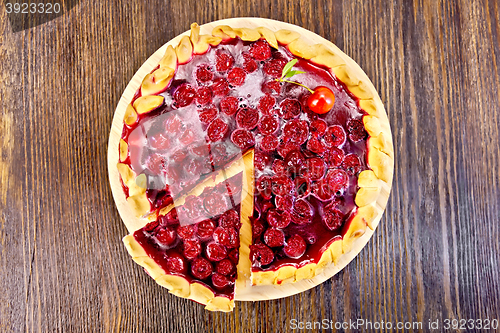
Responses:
[250,293]
[434,256]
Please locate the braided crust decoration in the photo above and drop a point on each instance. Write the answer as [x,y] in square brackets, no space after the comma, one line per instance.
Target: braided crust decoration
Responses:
[374,184]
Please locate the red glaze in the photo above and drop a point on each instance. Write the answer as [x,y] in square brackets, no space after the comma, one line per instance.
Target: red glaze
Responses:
[295,184]
[195,251]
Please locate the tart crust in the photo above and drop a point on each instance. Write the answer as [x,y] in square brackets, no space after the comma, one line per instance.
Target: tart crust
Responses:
[374,184]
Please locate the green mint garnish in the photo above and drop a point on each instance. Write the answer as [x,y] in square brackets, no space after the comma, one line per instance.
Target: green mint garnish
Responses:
[288,73]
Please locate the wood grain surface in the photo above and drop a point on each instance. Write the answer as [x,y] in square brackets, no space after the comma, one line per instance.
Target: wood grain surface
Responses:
[435,254]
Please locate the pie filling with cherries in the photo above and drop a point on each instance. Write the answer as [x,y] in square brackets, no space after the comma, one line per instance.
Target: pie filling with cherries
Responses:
[250,157]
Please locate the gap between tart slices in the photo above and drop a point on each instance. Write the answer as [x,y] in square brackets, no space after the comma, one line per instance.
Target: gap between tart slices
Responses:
[378,143]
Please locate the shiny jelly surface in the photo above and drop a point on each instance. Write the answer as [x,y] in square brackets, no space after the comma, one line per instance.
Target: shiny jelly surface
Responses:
[227,101]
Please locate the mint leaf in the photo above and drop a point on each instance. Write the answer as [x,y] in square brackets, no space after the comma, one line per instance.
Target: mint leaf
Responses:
[292,73]
[288,67]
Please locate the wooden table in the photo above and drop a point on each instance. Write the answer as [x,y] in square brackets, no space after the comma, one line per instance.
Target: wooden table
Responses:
[434,256]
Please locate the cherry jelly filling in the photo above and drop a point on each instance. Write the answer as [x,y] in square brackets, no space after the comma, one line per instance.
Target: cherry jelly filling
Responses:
[227,101]
[307,180]
[199,129]
[205,252]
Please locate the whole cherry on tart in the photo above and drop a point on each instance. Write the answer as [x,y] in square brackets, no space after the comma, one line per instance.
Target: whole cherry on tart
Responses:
[321,99]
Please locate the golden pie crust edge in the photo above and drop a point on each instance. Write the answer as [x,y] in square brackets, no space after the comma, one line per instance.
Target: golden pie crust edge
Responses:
[374,185]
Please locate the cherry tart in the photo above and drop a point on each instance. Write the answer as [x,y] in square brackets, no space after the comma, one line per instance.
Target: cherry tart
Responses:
[250,155]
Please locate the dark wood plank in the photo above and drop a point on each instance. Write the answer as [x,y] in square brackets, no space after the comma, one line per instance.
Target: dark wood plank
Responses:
[434,256]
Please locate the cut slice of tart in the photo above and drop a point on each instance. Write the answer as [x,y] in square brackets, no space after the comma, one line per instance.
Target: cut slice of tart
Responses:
[194,249]
[286,139]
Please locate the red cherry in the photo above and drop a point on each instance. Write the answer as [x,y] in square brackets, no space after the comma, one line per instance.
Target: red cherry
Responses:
[356,130]
[318,127]
[226,236]
[315,168]
[286,147]
[296,131]
[266,103]
[229,105]
[215,204]
[207,114]
[217,130]
[156,163]
[204,74]
[201,268]
[184,95]
[274,67]
[271,87]
[249,65]
[233,255]
[261,255]
[281,185]
[224,61]
[186,231]
[269,142]
[166,236]
[205,229]
[278,167]
[242,138]
[220,281]
[294,162]
[220,87]
[204,95]
[334,157]
[192,248]
[263,185]
[187,137]
[295,247]
[337,179]
[257,228]
[173,125]
[302,212]
[290,108]
[260,50]
[274,237]
[229,219]
[334,136]
[159,140]
[236,76]
[176,263]
[285,203]
[322,190]
[277,219]
[247,118]
[260,161]
[215,252]
[268,125]
[321,100]
[333,219]
[351,164]
[225,267]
